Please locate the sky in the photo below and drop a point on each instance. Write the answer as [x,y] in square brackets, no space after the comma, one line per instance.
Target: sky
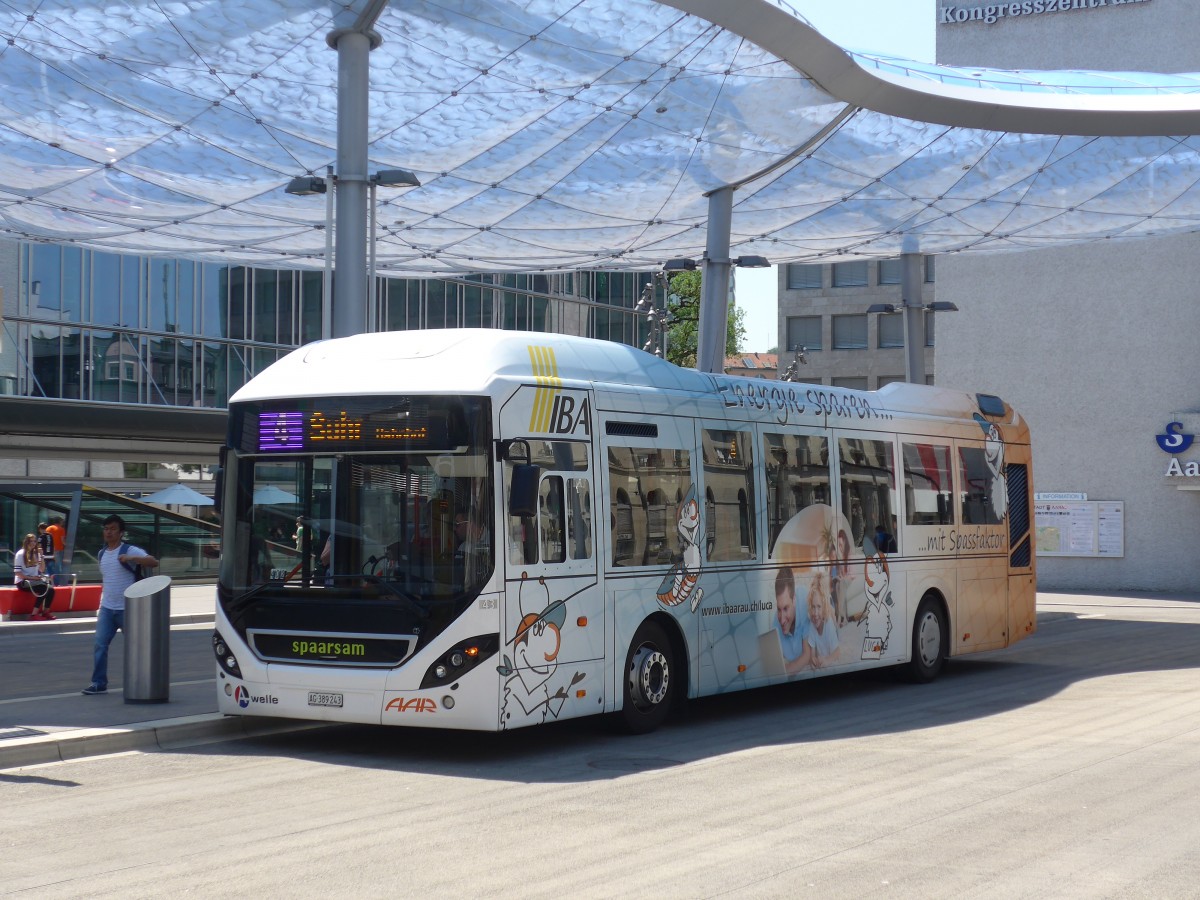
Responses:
[896,27]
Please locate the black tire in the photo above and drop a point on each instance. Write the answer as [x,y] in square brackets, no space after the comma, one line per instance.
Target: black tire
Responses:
[650,681]
[930,641]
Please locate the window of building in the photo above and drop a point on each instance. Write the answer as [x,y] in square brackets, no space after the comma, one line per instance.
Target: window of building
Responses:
[929,317]
[927,484]
[891,330]
[885,380]
[853,382]
[889,271]
[804,331]
[729,489]
[803,277]
[850,332]
[929,270]
[850,274]
[797,477]
[868,489]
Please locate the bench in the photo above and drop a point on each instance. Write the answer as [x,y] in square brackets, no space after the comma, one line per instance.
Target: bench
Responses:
[68,599]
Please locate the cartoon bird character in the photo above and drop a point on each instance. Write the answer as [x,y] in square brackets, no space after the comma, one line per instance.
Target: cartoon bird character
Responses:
[993,454]
[527,692]
[877,612]
[681,582]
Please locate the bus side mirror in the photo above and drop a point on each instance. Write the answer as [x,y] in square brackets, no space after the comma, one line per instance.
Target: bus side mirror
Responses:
[523,490]
[219,482]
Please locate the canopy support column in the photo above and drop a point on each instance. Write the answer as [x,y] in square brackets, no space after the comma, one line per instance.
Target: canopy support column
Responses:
[911,280]
[713,320]
[350,287]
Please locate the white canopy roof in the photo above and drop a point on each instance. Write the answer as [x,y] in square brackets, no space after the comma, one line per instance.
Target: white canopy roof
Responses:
[556,134]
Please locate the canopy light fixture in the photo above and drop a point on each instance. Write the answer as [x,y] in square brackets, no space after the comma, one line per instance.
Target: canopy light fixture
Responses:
[306,185]
[395,178]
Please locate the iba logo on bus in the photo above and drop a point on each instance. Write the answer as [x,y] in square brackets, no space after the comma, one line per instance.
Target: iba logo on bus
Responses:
[568,414]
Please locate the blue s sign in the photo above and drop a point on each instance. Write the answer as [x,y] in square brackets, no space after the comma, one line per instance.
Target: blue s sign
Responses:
[1174,441]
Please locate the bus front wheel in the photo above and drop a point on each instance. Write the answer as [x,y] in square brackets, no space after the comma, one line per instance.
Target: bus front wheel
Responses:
[650,680]
[930,641]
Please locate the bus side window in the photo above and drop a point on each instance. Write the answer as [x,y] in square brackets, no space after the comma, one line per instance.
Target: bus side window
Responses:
[579,518]
[797,477]
[551,531]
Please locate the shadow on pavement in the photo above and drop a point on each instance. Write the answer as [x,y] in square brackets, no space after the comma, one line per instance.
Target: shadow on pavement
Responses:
[1067,649]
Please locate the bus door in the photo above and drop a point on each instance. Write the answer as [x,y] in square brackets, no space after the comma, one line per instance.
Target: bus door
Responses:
[1022,580]
[873,625]
[736,608]
[803,529]
[552,627]
[654,559]
[981,542]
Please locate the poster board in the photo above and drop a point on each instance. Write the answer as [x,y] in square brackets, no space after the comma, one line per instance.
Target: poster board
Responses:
[1093,528]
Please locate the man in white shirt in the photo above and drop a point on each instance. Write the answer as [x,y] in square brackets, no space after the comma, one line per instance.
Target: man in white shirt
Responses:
[119,563]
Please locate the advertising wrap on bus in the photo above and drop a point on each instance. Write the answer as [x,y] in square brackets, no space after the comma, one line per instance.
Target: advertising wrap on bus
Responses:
[510,528]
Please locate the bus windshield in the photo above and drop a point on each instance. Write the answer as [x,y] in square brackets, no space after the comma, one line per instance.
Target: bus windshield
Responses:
[345,501]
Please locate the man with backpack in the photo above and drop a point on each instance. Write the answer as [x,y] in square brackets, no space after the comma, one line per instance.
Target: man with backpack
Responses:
[121,564]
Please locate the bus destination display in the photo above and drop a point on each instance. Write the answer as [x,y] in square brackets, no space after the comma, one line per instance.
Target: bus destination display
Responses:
[290,431]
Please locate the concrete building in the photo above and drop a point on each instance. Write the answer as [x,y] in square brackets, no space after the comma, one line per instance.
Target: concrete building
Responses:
[823,310]
[1095,344]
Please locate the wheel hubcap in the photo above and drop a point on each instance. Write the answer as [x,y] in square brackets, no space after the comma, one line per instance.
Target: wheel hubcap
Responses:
[929,639]
[649,676]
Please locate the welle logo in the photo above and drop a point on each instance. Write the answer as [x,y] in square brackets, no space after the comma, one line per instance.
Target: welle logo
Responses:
[244,698]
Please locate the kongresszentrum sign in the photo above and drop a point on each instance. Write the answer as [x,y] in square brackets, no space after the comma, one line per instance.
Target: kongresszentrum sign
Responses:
[990,13]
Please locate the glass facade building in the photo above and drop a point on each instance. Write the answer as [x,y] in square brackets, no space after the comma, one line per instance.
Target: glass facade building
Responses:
[169,337]
[86,325]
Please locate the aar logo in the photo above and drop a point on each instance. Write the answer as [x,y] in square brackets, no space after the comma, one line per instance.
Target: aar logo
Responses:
[1174,441]
[411,704]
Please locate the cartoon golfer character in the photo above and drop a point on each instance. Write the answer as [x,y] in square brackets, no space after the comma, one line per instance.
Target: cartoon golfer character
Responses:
[877,613]
[527,692]
[681,582]
[993,454]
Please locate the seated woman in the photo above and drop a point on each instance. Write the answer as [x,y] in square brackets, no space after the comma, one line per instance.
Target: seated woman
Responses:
[29,575]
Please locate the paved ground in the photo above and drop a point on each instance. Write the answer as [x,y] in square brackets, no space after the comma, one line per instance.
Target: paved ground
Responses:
[1065,767]
[44,666]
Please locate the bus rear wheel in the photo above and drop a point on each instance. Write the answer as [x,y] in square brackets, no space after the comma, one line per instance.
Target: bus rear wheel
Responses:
[930,641]
[650,680]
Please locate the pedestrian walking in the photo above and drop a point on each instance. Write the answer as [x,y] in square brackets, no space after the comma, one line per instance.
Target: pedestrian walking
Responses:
[121,564]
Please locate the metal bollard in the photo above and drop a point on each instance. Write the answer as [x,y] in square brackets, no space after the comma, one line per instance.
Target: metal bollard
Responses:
[148,640]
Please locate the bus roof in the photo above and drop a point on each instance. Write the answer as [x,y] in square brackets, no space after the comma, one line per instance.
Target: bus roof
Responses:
[471,360]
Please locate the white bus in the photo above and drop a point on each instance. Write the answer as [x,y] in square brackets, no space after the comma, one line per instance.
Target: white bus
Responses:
[489,529]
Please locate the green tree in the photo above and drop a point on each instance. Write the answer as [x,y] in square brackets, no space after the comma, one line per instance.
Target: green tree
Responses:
[683,311]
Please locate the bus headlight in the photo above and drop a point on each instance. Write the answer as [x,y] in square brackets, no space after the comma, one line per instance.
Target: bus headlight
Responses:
[460,659]
[225,658]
